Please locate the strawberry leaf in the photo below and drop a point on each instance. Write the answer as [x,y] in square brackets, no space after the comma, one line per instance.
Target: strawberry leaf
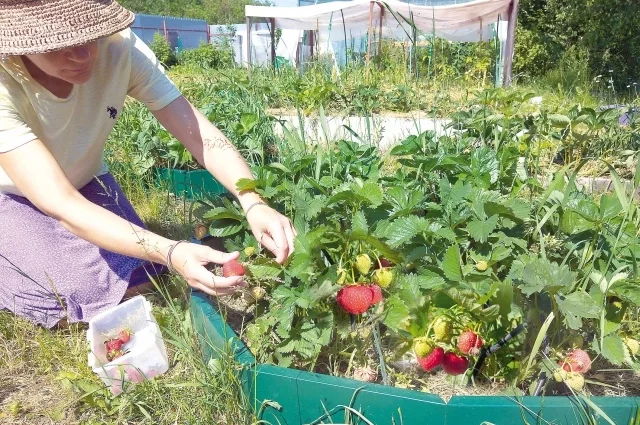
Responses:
[451,264]
[480,230]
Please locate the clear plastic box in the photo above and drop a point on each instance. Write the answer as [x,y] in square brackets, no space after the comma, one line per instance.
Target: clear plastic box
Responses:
[145,354]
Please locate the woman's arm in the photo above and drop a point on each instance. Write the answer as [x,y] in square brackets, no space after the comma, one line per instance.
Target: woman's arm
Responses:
[38,176]
[218,155]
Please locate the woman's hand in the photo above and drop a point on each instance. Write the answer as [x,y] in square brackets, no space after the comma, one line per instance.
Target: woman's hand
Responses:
[273,230]
[189,260]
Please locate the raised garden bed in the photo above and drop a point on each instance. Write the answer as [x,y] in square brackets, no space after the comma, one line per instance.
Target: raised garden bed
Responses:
[192,184]
[289,396]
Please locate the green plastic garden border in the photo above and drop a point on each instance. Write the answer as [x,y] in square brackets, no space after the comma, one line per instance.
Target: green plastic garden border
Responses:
[302,397]
[192,184]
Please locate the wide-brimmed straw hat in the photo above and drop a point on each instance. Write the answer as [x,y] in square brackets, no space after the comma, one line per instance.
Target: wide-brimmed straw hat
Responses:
[38,26]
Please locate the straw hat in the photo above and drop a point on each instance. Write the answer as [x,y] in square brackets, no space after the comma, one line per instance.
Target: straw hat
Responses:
[39,26]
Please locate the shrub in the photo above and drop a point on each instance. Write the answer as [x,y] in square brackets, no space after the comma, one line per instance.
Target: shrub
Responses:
[207,56]
[162,49]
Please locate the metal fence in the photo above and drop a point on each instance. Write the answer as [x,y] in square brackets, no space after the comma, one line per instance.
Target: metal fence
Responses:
[181,33]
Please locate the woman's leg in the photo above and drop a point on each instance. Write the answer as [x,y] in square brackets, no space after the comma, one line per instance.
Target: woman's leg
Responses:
[48,274]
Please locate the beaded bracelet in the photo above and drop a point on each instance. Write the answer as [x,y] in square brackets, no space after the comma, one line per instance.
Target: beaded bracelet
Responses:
[169,264]
[253,205]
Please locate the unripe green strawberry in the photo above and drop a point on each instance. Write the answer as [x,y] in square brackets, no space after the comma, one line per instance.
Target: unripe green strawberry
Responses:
[249,251]
[442,329]
[383,277]
[575,380]
[559,375]
[422,347]
[363,263]
[342,276]
[633,345]
[482,266]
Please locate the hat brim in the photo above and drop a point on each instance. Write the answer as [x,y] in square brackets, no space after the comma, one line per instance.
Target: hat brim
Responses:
[40,26]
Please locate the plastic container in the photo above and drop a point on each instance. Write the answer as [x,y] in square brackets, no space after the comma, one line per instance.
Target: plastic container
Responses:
[145,354]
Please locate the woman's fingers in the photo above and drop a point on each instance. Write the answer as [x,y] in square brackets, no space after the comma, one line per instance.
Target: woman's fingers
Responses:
[210,255]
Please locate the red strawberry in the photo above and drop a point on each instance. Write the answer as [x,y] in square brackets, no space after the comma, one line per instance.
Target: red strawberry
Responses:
[124,336]
[432,360]
[232,268]
[469,343]
[383,263]
[377,293]
[454,364]
[355,299]
[578,361]
[113,344]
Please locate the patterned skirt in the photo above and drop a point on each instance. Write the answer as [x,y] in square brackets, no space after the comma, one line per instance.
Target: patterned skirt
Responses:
[47,273]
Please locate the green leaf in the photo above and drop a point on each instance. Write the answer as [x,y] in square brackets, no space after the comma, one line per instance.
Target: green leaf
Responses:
[371,191]
[220,213]
[628,290]
[264,271]
[451,264]
[541,274]
[404,229]
[359,223]
[480,230]
[576,306]
[613,349]
[224,228]
[396,312]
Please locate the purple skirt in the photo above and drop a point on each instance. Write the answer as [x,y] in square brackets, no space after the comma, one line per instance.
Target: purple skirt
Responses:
[47,273]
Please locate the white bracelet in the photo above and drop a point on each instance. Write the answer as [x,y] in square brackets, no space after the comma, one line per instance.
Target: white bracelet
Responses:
[253,205]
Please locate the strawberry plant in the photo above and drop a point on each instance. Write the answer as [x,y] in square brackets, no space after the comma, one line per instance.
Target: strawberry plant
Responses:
[439,249]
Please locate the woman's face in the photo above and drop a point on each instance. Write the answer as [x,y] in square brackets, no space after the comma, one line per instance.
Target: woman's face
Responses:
[73,65]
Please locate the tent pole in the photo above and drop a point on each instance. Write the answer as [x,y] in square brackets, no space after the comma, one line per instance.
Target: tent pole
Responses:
[511,39]
[272,22]
[249,45]
[369,33]
[380,30]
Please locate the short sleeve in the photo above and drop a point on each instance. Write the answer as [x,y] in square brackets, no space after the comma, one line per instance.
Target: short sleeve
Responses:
[148,81]
[14,132]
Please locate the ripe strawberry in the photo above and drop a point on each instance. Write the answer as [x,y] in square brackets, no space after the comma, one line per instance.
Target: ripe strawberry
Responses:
[377,293]
[355,299]
[454,364]
[113,344]
[363,263]
[383,263]
[383,277]
[232,268]
[469,343]
[432,360]
[442,329]
[124,336]
[577,361]
[422,347]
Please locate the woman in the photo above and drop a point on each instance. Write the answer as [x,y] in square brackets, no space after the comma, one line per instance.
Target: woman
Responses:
[71,244]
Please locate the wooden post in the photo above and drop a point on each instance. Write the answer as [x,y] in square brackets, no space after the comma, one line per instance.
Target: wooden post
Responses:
[380,30]
[512,14]
[272,24]
[369,33]
[249,45]
[311,42]
[164,27]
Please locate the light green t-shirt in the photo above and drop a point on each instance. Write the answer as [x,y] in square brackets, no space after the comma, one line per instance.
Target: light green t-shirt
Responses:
[75,129]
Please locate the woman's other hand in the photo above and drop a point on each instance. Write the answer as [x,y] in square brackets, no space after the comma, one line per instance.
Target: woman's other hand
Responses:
[273,230]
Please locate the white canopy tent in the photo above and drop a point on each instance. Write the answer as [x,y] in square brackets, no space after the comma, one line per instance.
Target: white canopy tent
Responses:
[466,22]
